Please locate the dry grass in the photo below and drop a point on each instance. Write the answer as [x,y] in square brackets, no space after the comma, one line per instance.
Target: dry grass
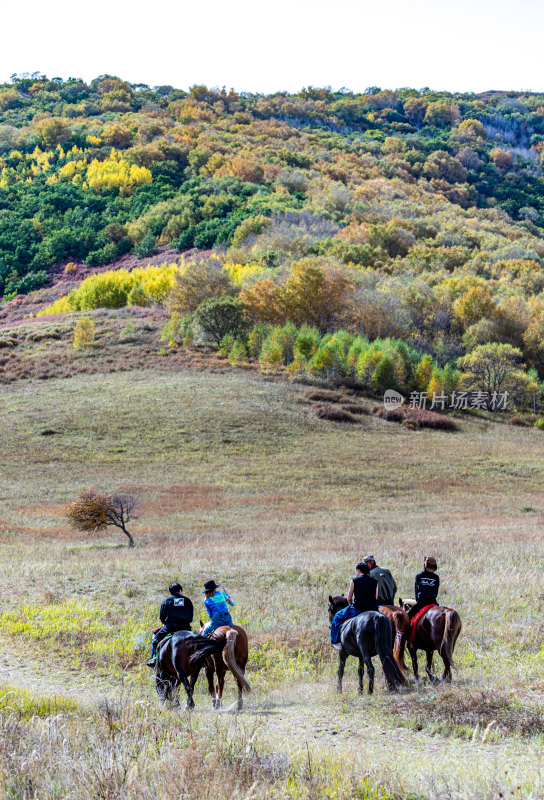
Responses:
[241,482]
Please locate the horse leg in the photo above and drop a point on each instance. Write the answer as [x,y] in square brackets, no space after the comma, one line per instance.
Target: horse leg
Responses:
[446,677]
[413,655]
[429,667]
[240,703]
[163,686]
[189,690]
[211,688]
[361,675]
[370,670]
[220,687]
[341,667]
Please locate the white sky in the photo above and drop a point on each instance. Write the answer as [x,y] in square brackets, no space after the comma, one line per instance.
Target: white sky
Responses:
[467,45]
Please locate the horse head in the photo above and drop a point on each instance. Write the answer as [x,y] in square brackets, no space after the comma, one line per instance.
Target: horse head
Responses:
[407,604]
[335,604]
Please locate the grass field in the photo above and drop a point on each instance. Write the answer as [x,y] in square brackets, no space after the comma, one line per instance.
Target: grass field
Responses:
[240,482]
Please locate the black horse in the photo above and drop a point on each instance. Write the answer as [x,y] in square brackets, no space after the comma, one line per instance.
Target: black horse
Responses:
[180,660]
[364,636]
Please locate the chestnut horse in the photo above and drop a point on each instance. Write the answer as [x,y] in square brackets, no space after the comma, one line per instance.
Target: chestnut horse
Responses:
[366,635]
[400,623]
[234,657]
[180,660]
[437,630]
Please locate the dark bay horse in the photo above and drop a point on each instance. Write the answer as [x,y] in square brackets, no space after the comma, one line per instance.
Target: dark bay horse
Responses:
[400,624]
[233,657]
[437,630]
[180,660]
[364,636]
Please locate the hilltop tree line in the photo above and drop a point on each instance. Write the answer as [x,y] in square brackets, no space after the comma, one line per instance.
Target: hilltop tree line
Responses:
[413,215]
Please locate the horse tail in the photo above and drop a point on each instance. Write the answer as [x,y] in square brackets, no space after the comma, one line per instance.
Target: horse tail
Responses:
[229,657]
[382,634]
[452,629]
[400,641]
[207,648]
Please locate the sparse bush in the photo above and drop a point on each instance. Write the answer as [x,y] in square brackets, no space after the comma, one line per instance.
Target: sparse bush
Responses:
[171,332]
[519,422]
[336,413]
[84,333]
[199,281]
[128,333]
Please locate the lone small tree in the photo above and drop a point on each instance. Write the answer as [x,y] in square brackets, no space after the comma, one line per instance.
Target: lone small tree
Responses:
[92,511]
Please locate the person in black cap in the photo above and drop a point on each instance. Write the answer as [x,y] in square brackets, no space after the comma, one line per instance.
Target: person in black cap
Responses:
[217,605]
[176,614]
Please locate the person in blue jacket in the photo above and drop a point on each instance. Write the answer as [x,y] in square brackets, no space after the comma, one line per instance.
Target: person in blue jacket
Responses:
[217,604]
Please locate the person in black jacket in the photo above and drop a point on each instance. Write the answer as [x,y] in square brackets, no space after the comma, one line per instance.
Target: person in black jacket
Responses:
[426,588]
[176,614]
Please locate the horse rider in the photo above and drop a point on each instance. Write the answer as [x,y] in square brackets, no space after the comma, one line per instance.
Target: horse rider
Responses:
[217,605]
[426,586]
[176,614]
[363,589]
[362,596]
[387,588]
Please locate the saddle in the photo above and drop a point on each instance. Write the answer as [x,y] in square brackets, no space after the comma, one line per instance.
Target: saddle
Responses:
[162,641]
[420,614]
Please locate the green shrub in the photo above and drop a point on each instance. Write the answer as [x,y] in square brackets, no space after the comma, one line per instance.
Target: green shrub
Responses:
[238,352]
[306,343]
[226,344]
[277,349]
[539,424]
[147,247]
[256,338]
[219,316]
[171,331]
[138,296]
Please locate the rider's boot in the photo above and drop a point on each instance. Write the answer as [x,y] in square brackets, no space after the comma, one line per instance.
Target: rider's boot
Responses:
[153,660]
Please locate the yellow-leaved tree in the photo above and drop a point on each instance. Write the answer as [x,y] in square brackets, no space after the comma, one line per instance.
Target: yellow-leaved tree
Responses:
[116,173]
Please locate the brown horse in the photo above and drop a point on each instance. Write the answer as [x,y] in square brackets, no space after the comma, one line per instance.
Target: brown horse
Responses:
[233,657]
[180,660]
[400,624]
[437,630]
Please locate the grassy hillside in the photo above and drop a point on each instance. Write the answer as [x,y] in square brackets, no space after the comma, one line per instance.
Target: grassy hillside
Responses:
[241,482]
